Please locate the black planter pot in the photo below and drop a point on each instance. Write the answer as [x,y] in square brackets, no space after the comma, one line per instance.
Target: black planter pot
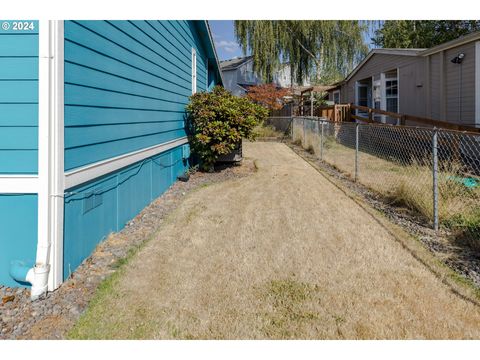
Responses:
[235,156]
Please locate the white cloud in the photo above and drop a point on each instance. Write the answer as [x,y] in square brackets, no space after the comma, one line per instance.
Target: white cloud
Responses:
[229,46]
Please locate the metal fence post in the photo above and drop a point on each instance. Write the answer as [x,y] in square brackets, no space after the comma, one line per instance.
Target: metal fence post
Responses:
[356,150]
[435,177]
[292,124]
[321,142]
[304,140]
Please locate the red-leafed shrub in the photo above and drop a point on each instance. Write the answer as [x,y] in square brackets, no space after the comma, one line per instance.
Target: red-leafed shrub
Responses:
[268,95]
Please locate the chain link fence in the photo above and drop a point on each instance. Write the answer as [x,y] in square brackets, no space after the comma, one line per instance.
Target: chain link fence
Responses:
[434,173]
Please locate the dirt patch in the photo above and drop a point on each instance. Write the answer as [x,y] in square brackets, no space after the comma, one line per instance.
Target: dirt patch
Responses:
[280,254]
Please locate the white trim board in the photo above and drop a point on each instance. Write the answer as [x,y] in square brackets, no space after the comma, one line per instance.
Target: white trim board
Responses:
[45,55]
[92,171]
[56,155]
[477,83]
[18,184]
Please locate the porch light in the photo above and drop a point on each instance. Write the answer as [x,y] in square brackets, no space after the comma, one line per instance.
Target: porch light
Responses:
[458,59]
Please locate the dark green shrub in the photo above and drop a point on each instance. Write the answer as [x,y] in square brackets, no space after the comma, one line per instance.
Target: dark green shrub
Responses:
[217,122]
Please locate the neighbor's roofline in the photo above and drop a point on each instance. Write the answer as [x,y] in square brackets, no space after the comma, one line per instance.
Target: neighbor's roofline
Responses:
[214,50]
[451,44]
[400,52]
[228,68]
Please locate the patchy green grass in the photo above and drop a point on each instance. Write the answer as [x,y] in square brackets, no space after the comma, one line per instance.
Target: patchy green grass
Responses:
[266,131]
[290,311]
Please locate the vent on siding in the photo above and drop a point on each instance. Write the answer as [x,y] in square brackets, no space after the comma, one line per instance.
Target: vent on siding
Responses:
[185,151]
[91,201]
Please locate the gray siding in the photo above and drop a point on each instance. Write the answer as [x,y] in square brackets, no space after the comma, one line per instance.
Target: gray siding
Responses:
[460,107]
[412,90]
[230,82]
[434,83]
[411,71]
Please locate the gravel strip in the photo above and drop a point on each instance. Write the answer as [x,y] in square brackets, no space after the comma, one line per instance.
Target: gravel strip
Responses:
[462,259]
[51,316]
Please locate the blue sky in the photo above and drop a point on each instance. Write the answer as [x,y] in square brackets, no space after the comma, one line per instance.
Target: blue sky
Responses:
[224,38]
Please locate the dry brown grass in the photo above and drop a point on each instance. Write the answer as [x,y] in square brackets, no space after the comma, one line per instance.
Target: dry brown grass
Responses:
[280,254]
[411,185]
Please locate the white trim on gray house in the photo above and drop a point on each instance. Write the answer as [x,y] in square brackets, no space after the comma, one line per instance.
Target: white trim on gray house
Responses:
[477,83]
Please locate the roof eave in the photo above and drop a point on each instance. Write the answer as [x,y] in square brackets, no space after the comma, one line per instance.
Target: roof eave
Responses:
[451,44]
[381,51]
[210,38]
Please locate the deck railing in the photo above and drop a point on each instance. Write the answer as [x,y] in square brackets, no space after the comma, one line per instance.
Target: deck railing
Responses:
[370,115]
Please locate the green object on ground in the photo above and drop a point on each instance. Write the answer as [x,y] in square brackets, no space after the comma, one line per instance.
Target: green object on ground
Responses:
[468,182]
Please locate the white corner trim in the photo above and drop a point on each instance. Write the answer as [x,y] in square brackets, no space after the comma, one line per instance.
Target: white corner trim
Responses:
[92,171]
[194,71]
[477,83]
[18,184]
[398,91]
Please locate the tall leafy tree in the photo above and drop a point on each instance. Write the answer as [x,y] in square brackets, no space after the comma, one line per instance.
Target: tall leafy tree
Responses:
[421,33]
[316,49]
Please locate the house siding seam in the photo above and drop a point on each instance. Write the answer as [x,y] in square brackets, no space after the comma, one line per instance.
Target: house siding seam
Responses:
[111,64]
[435,92]
[19,100]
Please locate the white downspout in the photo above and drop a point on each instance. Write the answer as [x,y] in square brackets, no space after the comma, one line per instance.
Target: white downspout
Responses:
[42,263]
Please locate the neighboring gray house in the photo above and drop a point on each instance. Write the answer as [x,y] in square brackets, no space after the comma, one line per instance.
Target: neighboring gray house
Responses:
[238,75]
[441,83]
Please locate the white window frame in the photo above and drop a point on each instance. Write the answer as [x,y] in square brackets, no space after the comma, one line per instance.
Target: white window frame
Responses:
[358,85]
[194,71]
[333,96]
[387,79]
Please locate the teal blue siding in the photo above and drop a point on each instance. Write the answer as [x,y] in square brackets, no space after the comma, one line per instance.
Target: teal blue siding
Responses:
[126,85]
[18,100]
[18,237]
[103,206]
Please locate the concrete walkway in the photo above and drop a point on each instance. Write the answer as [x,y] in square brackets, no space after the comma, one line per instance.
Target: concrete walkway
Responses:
[279,254]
